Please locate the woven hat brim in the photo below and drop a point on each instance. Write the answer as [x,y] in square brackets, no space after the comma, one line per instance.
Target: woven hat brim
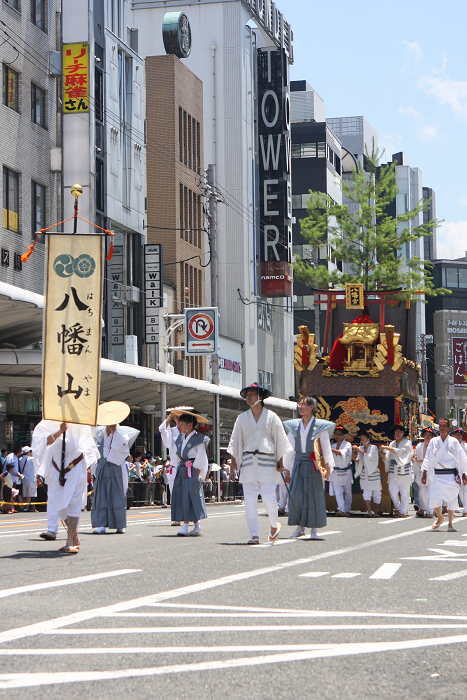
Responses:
[180,412]
[112,412]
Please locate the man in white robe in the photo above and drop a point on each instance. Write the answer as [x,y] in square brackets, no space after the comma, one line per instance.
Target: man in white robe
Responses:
[341,480]
[367,470]
[445,460]
[423,490]
[398,461]
[64,498]
[257,447]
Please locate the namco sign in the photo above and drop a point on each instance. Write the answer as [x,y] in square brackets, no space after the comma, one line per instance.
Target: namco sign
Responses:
[275,171]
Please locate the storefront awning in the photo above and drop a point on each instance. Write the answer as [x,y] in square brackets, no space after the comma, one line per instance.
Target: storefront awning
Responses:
[20,316]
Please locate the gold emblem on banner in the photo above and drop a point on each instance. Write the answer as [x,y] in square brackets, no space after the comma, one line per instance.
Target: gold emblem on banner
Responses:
[354,296]
[72,329]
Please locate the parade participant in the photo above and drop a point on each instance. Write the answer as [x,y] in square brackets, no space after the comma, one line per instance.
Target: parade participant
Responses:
[191,464]
[62,454]
[424,510]
[367,458]
[109,503]
[26,468]
[445,460]
[398,462]
[17,477]
[257,446]
[168,437]
[307,497]
[341,480]
[458,433]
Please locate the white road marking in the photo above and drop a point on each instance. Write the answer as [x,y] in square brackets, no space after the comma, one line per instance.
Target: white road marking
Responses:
[314,574]
[451,577]
[386,571]
[275,544]
[455,543]
[79,631]
[394,520]
[73,618]
[164,650]
[345,574]
[25,680]
[64,582]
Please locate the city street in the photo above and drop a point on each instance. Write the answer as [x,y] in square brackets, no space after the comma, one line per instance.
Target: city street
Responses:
[376,609]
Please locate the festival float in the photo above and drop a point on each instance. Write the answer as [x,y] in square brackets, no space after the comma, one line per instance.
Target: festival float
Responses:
[365,381]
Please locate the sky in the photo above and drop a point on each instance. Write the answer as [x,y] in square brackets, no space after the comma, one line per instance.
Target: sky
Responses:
[403,66]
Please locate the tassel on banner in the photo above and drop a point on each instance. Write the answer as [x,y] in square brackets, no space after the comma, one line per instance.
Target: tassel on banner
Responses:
[30,250]
[111,246]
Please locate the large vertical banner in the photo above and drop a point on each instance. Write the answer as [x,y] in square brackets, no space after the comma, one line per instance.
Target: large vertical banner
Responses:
[275,172]
[459,361]
[75,78]
[72,329]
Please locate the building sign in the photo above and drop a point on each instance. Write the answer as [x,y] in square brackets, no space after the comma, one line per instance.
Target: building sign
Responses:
[230,364]
[201,331]
[354,296]
[75,78]
[274,22]
[154,291]
[458,326]
[275,169]
[459,360]
[115,288]
[176,33]
[72,329]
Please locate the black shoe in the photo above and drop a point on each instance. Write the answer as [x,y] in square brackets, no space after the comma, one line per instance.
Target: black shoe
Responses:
[281,512]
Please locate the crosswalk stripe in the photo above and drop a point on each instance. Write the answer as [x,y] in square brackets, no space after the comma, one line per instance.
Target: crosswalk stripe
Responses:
[386,571]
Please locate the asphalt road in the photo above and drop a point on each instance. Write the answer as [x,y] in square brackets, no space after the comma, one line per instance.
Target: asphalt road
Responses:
[377,609]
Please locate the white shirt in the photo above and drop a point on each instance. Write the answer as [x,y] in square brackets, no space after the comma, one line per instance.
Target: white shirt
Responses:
[324,440]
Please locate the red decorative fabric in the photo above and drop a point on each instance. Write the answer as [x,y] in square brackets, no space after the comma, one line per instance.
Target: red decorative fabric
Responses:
[339,351]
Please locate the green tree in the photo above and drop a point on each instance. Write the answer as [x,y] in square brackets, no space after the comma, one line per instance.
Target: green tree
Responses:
[370,241]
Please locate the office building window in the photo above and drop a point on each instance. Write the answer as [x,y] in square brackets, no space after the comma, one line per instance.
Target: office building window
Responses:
[37,207]
[309,150]
[38,105]
[13,3]
[38,14]
[99,184]
[462,278]
[10,200]
[451,277]
[10,88]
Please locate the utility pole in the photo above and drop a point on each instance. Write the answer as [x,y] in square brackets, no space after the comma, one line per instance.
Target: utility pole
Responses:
[212,195]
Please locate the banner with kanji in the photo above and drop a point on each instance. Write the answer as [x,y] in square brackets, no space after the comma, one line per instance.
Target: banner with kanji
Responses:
[75,78]
[72,329]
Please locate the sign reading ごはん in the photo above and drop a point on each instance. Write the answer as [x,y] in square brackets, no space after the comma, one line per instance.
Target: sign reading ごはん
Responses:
[75,78]
[275,172]
[72,329]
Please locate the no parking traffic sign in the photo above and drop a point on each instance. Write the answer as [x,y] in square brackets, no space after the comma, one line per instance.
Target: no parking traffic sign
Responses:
[201,331]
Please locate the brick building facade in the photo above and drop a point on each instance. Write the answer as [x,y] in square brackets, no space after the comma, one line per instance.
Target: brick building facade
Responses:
[175,178]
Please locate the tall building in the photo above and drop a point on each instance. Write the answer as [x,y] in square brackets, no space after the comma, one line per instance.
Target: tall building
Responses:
[30,147]
[316,166]
[446,358]
[226,41]
[175,216]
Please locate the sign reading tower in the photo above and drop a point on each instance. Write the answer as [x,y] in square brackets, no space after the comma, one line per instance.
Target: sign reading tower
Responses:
[275,170]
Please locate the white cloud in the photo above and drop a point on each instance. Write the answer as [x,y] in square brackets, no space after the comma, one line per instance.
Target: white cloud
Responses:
[447,92]
[428,132]
[409,112]
[414,56]
[451,239]
[389,143]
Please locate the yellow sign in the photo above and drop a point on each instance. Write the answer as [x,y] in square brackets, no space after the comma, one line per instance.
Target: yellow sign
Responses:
[72,329]
[354,296]
[75,78]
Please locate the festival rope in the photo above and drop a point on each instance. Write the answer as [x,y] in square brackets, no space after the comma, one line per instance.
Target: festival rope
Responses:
[43,231]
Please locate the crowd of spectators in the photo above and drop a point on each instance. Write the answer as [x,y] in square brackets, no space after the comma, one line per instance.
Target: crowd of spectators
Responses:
[18,480]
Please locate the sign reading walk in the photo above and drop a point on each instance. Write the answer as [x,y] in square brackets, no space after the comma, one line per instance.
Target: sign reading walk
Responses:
[72,329]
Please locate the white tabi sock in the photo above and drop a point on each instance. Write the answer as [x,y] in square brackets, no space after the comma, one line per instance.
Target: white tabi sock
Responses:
[314,534]
[184,528]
